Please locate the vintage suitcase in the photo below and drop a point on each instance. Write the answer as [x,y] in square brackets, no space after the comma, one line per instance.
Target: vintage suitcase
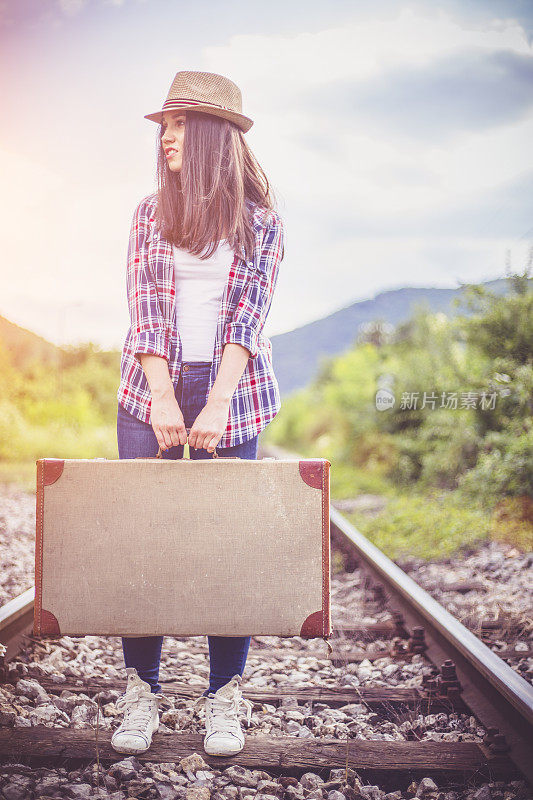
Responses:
[152,546]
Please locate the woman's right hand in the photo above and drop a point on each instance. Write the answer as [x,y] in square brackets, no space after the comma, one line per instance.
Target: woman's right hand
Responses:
[167,421]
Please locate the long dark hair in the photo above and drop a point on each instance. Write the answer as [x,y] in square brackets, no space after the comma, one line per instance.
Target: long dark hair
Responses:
[213,194]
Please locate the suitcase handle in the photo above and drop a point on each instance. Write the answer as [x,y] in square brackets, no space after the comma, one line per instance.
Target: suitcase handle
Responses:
[160,452]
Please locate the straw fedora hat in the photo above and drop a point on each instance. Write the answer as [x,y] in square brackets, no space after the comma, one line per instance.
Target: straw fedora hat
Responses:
[207,92]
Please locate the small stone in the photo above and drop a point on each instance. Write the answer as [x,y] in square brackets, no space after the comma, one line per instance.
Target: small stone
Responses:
[48,785]
[337,774]
[126,769]
[268,787]
[16,789]
[83,716]
[329,785]
[175,793]
[191,764]
[288,780]
[426,786]
[198,793]
[241,776]
[310,780]
[78,791]
[371,792]
[32,688]
[220,781]
[141,788]
[295,715]
[166,791]
[293,727]
[294,792]
[47,714]
[483,793]
[261,775]
[204,775]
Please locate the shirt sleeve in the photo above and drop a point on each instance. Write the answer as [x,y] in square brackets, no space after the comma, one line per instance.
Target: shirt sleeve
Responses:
[252,310]
[148,327]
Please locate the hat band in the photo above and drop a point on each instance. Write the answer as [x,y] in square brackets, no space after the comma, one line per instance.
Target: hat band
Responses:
[177,103]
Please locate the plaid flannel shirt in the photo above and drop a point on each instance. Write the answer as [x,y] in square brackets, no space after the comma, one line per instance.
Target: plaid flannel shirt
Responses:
[244,308]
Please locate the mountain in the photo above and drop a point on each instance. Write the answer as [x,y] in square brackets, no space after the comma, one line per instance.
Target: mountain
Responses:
[24,346]
[296,354]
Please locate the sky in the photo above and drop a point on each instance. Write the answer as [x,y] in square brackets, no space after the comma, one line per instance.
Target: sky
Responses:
[396,136]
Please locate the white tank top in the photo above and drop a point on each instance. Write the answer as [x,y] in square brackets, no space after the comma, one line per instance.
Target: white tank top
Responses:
[200,286]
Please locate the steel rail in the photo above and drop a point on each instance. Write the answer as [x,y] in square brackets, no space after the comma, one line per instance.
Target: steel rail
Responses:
[16,616]
[493,690]
[508,682]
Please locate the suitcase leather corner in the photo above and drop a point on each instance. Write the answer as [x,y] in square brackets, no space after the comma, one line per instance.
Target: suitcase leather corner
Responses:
[48,471]
[47,625]
[315,473]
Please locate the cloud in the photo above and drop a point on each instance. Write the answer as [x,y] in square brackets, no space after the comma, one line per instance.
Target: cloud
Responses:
[506,210]
[468,91]
[360,51]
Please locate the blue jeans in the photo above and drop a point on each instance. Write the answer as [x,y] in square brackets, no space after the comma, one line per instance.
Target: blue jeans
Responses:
[227,654]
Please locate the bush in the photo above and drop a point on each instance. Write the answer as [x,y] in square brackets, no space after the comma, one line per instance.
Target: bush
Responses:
[505,467]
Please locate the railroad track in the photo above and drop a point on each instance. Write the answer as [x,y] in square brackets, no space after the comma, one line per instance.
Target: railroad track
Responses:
[464,676]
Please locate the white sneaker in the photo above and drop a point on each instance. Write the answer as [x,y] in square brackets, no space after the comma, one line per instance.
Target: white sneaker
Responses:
[141,716]
[224,735]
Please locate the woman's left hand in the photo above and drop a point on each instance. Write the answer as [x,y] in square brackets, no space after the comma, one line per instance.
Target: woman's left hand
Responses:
[209,425]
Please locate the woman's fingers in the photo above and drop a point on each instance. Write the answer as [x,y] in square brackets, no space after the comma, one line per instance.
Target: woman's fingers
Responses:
[179,434]
[201,439]
[209,426]
[163,438]
[168,423]
[170,435]
[212,443]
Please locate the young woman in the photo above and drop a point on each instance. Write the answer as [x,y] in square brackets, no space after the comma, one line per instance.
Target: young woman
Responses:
[203,261]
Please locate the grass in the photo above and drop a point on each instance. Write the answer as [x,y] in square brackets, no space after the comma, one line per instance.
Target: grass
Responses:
[347,481]
[425,527]
[512,522]
[434,525]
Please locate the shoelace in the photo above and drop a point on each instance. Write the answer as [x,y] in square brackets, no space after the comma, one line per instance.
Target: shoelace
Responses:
[225,711]
[135,715]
